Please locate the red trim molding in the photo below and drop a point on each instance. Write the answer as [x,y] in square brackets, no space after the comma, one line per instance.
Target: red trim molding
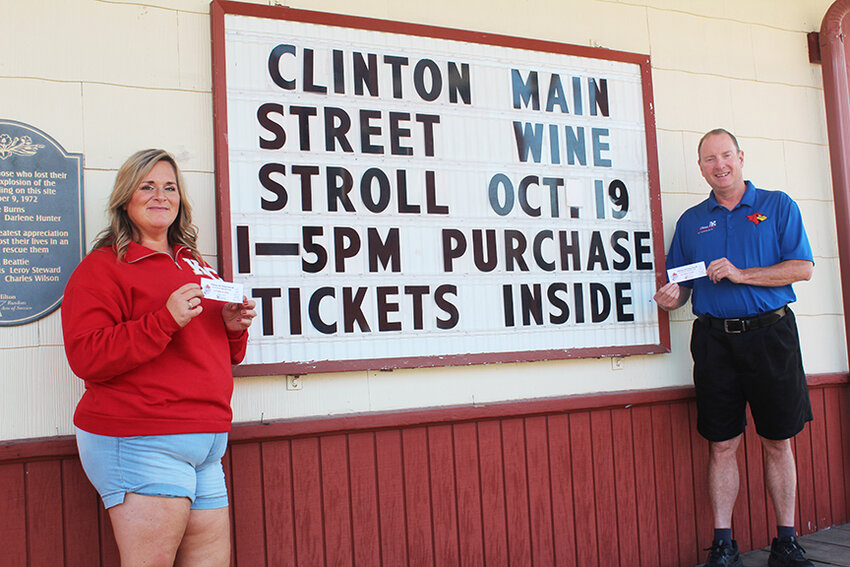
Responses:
[836,92]
[250,432]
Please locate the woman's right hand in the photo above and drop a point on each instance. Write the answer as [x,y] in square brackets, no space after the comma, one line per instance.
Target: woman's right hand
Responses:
[185,303]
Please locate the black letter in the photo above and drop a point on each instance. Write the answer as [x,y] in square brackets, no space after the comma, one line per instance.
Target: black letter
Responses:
[272,126]
[274,66]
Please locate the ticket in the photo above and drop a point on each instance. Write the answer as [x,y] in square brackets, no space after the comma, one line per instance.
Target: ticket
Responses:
[685,273]
[220,290]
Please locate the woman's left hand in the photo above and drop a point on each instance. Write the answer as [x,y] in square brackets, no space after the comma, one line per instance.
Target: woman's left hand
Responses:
[238,316]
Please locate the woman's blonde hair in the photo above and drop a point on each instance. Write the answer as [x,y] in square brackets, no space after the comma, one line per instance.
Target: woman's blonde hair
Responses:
[121,229]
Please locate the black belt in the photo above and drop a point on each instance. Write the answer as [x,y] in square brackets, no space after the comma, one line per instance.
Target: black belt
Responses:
[736,326]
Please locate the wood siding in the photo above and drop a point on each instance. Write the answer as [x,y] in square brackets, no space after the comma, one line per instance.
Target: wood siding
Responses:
[605,485]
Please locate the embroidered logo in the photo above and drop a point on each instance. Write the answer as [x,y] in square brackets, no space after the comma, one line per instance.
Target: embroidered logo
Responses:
[710,226]
[756,218]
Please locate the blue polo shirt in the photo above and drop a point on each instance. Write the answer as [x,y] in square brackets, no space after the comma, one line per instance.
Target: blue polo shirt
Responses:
[764,229]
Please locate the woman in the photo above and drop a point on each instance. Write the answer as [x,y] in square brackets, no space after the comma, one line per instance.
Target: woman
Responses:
[156,358]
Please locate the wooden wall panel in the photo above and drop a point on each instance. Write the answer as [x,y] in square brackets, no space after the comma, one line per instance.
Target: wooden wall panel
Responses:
[700,457]
[417,497]
[584,503]
[836,436]
[563,510]
[645,482]
[468,481]
[307,503]
[516,492]
[45,534]
[249,542]
[741,513]
[665,485]
[80,504]
[820,461]
[444,497]
[336,500]
[493,493]
[539,491]
[13,515]
[624,485]
[277,501]
[759,528]
[364,500]
[391,512]
[683,482]
[595,486]
[807,522]
[604,488]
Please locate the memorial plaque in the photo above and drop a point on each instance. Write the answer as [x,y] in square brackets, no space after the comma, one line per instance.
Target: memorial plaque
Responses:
[41,227]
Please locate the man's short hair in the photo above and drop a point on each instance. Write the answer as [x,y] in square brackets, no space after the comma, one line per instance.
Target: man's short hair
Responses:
[715,132]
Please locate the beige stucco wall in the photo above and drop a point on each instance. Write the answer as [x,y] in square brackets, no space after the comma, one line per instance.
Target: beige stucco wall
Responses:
[106,78]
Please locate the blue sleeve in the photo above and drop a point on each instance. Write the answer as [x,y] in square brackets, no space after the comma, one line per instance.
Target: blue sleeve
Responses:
[676,256]
[793,242]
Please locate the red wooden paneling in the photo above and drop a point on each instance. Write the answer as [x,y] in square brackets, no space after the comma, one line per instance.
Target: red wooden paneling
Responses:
[468,481]
[844,408]
[391,511]
[307,503]
[364,500]
[539,491]
[604,488]
[584,502]
[336,499]
[563,510]
[704,521]
[820,462]
[45,536]
[516,492]
[834,454]
[493,493]
[683,482]
[624,473]
[807,522]
[665,485]
[444,498]
[278,503]
[741,512]
[592,486]
[760,529]
[79,515]
[247,497]
[13,515]
[417,497]
[645,482]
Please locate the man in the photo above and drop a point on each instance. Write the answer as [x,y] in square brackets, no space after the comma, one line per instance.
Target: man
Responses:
[744,343]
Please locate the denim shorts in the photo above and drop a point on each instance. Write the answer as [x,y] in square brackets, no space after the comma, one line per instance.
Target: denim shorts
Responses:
[179,466]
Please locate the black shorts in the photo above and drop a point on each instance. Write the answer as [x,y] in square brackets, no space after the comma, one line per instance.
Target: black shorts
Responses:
[762,367]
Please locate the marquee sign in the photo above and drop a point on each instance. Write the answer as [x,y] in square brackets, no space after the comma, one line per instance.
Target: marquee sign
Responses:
[396,195]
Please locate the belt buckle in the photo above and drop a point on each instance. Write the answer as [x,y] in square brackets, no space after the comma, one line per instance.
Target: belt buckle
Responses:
[738,326]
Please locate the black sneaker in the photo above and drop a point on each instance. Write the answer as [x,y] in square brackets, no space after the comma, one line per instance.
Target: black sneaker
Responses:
[787,552]
[724,554]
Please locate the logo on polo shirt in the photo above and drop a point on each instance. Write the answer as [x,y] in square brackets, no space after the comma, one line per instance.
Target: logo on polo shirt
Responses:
[756,218]
[710,226]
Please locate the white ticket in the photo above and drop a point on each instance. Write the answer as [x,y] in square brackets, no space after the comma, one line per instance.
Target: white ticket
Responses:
[220,290]
[685,273]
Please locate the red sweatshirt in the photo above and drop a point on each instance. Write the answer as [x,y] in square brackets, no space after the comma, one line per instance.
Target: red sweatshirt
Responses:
[144,374]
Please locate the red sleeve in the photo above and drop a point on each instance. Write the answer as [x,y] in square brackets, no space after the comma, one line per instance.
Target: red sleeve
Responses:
[99,343]
[238,345]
